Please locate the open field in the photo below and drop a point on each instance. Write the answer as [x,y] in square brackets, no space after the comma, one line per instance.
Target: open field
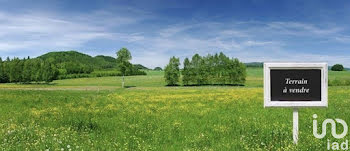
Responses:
[98,114]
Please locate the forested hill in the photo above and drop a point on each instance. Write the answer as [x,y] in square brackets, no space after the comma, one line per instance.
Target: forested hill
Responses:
[73,62]
[62,65]
[62,58]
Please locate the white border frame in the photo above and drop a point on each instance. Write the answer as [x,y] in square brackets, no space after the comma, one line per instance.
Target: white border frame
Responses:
[294,104]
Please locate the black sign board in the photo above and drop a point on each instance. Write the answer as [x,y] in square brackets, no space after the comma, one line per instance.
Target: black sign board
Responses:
[295,84]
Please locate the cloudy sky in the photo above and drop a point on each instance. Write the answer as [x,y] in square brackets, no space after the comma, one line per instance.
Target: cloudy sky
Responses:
[154,30]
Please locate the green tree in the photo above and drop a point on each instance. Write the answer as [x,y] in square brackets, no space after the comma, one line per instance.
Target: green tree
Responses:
[49,71]
[337,67]
[216,70]
[37,70]
[172,72]
[223,63]
[242,72]
[186,77]
[123,64]
[195,63]
[16,68]
[27,71]
[202,72]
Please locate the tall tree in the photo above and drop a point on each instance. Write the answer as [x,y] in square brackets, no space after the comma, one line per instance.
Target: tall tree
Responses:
[49,70]
[186,72]
[196,62]
[16,68]
[123,64]
[27,71]
[37,70]
[172,71]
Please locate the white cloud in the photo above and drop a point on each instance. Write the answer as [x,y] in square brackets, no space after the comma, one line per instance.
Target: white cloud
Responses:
[171,31]
[44,31]
[258,42]
[343,39]
[297,28]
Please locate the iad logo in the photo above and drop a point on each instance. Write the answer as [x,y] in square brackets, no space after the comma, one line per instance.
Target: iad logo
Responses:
[334,145]
[324,127]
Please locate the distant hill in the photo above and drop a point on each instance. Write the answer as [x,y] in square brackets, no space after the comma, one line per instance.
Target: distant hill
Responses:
[62,57]
[104,61]
[73,62]
[98,62]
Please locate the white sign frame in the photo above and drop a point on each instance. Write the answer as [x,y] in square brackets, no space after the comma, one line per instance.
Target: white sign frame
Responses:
[295,104]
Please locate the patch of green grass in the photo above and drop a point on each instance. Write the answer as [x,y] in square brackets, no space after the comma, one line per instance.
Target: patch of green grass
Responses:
[166,118]
[339,78]
[153,79]
[254,77]
[154,73]
[338,75]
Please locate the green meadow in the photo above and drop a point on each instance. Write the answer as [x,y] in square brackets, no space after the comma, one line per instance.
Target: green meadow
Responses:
[97,114]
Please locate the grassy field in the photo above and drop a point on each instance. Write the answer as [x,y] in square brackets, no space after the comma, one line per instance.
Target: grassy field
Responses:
[96,114]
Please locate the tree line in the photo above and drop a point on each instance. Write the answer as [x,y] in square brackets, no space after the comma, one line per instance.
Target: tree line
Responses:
[75,68]
[27,70]
[206,70]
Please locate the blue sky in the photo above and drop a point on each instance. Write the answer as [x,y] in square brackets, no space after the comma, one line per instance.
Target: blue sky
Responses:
[155,30]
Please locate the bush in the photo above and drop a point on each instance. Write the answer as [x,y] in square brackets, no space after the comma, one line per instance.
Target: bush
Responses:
[134,71]
[337,67]
[73,76]
[106,73]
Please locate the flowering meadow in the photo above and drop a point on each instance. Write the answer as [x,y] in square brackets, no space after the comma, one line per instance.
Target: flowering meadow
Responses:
[97,114]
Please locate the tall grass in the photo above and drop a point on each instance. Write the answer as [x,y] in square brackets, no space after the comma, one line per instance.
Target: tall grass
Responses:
[204,118]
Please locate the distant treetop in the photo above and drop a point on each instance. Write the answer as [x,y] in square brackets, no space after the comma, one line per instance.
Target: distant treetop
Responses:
[158,69]
[140,67]
[337,67]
